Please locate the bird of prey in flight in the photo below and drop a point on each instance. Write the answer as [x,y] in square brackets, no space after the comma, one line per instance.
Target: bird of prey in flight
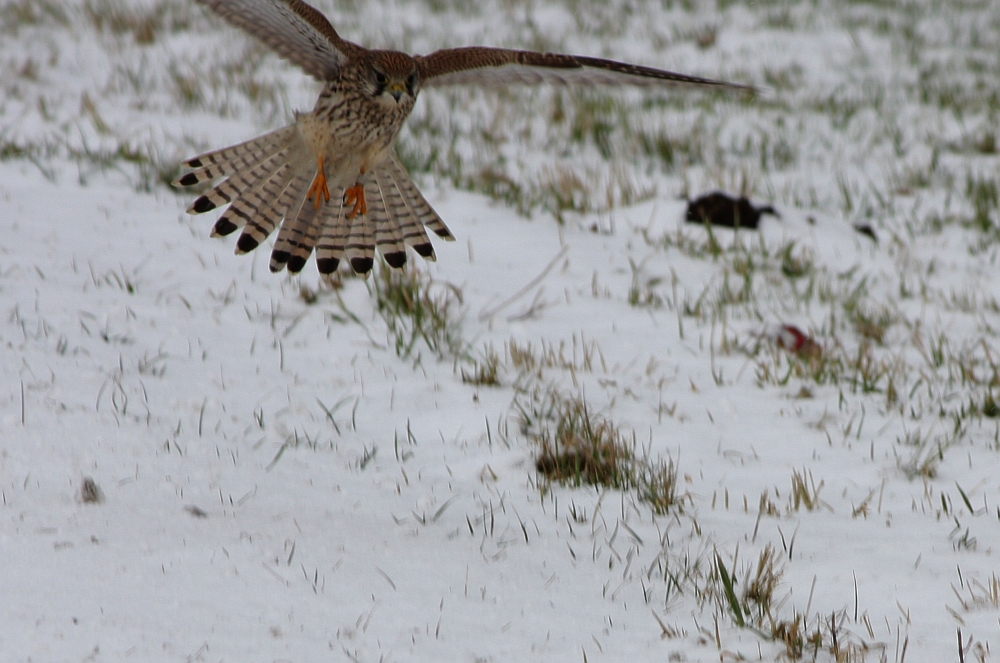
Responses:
[331,180]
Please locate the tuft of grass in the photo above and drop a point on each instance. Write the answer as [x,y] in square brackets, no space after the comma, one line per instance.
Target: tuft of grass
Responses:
[871,320]
[416,309]
[484,371]
[116,278]
[926,454]
[980,595]
[795,264]
[326,286]
[805,492]
[642,293]
[760,586]
[750,601]
[577,447]
[989,408]
[985,199]
[580,357]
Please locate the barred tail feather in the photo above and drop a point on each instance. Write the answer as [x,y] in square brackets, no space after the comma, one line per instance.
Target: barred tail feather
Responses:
[239,183]
[258,228]
[416,201]
[333,235]
[236,158]
[360,247]
[384,216]
[410,230]
[249,205]
[410,227]
[293,246]
[298,234]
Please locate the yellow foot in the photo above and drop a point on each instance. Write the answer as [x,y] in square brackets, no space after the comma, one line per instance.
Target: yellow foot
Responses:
[355,196]
[319,191]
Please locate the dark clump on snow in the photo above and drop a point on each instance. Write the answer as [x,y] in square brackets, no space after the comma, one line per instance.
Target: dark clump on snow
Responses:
[867,231]
[90,492]
[576,461]
[721,209]
[577,448]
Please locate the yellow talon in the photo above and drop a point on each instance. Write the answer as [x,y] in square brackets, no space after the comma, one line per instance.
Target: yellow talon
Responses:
[319,190]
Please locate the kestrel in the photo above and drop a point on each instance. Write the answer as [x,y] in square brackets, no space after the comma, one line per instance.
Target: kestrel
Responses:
[332,179]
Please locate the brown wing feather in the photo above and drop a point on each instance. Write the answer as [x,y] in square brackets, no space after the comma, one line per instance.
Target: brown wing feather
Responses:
[478,65]
[295,30]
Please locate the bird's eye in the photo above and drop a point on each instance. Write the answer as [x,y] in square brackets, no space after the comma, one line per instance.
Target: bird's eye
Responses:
[411,82]
[381,78]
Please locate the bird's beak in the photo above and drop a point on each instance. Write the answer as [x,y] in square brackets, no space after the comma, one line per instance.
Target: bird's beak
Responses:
[396,89]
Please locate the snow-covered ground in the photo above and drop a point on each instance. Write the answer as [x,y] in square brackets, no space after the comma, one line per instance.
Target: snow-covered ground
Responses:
[202,461]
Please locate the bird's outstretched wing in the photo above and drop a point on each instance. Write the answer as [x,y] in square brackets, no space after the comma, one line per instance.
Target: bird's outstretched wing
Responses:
[478,65]
[294,29]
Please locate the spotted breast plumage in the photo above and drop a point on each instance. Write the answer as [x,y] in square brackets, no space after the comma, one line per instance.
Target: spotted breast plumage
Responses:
[331,182]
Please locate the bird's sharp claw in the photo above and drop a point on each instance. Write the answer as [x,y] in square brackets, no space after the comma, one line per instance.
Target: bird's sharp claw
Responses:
[355,196]
[319,191]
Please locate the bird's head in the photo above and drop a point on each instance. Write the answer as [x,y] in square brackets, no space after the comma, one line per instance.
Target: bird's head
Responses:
[393,78]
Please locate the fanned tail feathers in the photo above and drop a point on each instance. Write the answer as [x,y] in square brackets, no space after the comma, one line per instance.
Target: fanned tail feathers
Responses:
[235,158]
[259,201]
[419,207]
[267,183]
[397,214]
